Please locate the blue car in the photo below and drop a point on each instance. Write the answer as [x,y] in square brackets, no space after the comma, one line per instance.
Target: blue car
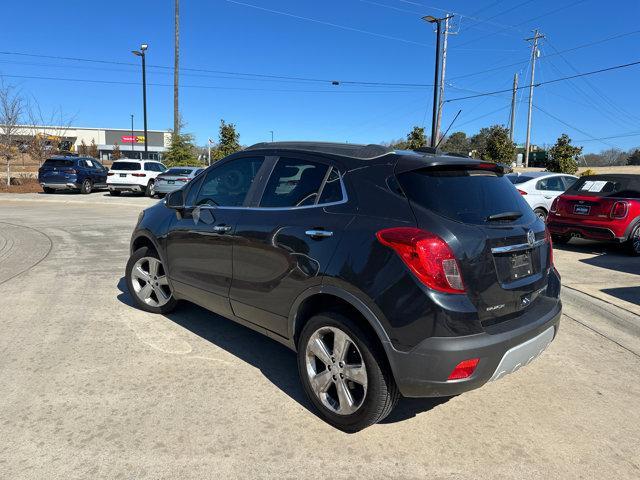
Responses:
[82,174]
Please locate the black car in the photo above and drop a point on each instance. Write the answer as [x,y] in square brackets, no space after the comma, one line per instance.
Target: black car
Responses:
[83,174]
[389,272]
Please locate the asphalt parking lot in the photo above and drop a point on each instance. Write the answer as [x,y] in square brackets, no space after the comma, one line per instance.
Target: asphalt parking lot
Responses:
[91,387]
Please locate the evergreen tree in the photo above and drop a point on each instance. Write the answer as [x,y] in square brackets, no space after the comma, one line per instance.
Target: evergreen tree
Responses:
[228,141]
[416,138]
[182,150]
[563,156]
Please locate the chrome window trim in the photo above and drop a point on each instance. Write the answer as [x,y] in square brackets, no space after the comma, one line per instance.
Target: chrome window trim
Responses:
[518,247]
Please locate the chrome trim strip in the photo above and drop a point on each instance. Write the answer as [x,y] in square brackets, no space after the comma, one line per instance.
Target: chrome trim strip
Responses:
[518,247]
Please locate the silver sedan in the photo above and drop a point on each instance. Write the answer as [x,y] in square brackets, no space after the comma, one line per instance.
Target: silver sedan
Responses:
[174,178]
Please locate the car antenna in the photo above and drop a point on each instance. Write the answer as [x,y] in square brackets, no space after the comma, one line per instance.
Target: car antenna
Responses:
[449,128]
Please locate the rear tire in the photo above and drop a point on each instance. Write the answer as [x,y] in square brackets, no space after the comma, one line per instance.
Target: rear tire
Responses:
[541,213]
[48,190]
[147,282]
[151,189]
[86,187]
[560,239]
[633,244]
[115,193]
[353,389]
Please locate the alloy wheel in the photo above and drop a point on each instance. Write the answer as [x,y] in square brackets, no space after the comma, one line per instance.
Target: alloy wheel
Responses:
[336,370]
[150,282]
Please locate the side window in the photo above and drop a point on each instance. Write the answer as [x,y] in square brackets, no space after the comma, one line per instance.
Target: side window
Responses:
[551,183]
[568,182]
[194,187]
[149,167]
[294,183]
[332,189]
[228,184]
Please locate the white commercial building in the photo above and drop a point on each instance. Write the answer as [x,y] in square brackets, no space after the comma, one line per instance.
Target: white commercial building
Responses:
[130,143]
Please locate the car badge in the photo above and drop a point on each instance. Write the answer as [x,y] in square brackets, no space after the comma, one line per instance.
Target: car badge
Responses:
[531,238]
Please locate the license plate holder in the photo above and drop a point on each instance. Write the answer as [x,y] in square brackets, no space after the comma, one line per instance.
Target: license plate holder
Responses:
[521,265]
[123,175]
[582,209]
[171,182]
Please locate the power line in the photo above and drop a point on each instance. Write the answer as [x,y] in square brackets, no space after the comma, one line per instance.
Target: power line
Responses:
[539,84]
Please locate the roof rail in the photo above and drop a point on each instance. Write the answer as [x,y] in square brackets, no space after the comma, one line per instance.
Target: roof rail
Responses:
[341,149]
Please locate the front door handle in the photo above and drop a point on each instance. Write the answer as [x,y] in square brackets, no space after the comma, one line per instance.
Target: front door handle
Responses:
[222,228]
[318,233]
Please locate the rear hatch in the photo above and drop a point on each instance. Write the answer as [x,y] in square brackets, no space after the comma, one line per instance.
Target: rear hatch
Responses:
[57,170]
[593,198]
[123,172]
[499,243]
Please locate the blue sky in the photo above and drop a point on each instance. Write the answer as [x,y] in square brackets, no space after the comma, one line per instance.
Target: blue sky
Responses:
[346,40]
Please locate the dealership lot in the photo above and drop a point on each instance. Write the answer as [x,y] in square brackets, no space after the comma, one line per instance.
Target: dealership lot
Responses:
[91,387]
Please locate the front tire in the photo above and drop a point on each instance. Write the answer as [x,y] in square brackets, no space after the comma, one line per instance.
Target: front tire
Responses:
[148,283]
[345,373]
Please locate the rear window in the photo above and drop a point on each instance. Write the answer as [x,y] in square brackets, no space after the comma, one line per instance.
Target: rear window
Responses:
[125,166]
[55,162]
[467,196]
[178,171]
[516,179]
[628,187]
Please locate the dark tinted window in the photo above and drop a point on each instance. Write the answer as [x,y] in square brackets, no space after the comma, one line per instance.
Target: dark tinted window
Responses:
[179,171]
[228,184]
[154,167]
[194,187]
[468,196]
[551,183]
[516,179]
[624,186]
[130,166]
[293,183]
[332,190]
[54,162]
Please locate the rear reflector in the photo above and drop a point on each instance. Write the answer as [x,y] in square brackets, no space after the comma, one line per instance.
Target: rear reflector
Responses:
[464,369]
[427,256]
[522,192]
[619,210]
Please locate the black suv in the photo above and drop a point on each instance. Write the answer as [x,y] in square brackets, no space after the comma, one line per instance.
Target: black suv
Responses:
[389,272]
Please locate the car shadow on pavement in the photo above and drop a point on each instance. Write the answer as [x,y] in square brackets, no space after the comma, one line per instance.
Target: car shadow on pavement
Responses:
[276,362]
[627,294]
[604,255]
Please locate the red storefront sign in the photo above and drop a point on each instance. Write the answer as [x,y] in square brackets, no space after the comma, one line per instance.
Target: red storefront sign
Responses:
[132,139]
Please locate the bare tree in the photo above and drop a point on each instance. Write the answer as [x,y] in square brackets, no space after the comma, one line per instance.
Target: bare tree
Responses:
[11,111]
[46,141]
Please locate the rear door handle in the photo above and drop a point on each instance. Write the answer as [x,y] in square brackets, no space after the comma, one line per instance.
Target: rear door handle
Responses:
[222,228]
[318,233]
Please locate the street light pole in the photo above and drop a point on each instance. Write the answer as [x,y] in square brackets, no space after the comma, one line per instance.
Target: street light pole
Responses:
[271,135]
[141,53]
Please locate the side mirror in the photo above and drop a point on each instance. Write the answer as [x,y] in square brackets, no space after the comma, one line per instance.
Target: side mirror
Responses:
[175,200]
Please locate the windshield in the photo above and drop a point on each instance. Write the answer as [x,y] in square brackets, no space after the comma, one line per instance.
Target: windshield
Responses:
[125,166]
[468,196]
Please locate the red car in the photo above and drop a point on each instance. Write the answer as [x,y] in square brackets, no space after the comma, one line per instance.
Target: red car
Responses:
[599,207]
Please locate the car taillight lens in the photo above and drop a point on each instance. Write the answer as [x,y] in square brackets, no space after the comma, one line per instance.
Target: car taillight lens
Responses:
[619,210]
[139,174]
[547,236]
[464,369]
[109,174]
[427,256]
[522,192]
[69,170]
[182,179]
[554,205]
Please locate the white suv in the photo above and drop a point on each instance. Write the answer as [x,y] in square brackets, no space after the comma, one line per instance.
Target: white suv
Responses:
[134,176]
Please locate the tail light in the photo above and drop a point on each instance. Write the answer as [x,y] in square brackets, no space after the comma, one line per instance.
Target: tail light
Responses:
[139,174]
[547,237]
[182,179]
[109,174]
[70,171]
[619,210]
[427,256]
[464,369]
[554,205]
[522,192]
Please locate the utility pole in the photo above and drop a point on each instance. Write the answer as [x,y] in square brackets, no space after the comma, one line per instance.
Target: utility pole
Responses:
[209,153]
[176,65]
[443,67]
[512,123]
[436,76]
[534,55]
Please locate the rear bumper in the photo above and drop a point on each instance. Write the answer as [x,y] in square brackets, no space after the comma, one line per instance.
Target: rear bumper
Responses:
[163,187]
[126,187]
[423,371]
[60,186]
[584,230]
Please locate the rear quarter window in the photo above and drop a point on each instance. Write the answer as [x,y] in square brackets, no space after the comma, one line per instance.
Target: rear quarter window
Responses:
[467,196]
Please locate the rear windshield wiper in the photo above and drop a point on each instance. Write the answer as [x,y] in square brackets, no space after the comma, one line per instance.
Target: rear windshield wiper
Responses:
[504,216]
